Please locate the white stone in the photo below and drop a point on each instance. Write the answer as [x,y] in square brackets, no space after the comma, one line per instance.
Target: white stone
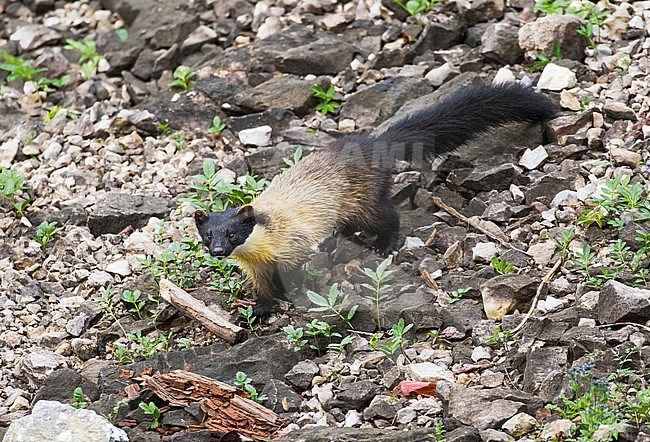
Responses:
[413,242]
[52,421]
[532,159]
[256,136]
[406,415]
[429,372]
[484,251]
[517,194]
[270,27]
[346,125]
[439,75]
[587,322]
[352,419]
[636,22]
[504,76]
[563,197]
[8,152]
[549,304]
[556,78]
[480,353]
[120,267]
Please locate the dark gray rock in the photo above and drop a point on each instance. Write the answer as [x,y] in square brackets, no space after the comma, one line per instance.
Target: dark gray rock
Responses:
[620,303]
[329,434]
[484,177]
[281,397]
[151,64]
[60,385]
[326,56]
[484,10]
[381,407]
[354,396]
[278,119]
[463,434]
[189,436]
[262,359]
[39,5]
[463,315]
[446,31]
[172,31]
[544,368]
[192,111]
[301,374]
[481,409]
[387,97]
[286,92]
[500,43]
[116,211]
[548,186]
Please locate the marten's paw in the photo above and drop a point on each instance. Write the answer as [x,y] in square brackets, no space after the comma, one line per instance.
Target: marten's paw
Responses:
[263,310]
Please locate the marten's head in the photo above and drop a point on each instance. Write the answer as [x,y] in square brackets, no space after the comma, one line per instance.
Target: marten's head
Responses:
[222,232]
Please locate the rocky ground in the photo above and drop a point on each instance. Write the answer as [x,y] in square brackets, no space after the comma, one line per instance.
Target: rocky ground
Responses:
[551,220]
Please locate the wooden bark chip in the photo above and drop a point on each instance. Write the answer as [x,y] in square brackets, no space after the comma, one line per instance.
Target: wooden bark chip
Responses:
[227,408]
[217,321]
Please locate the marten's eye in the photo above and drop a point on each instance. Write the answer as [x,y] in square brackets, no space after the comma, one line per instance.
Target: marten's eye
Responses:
[208,236]
[231,236]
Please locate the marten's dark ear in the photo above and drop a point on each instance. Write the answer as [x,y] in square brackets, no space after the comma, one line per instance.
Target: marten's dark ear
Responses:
[247,213]
[200,217]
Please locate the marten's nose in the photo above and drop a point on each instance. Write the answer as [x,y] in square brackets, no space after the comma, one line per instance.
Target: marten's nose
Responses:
[218,252]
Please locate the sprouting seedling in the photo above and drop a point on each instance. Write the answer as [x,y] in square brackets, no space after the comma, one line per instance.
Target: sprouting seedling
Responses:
[183,78]
[133,298]
[458,294]
[45,233]
[416,7]
[501,266]
[377,289]
[152,410]
[297,155]
[11,186]
[217,125]
[244,382]
[78,399]
[326,105]
[89,58]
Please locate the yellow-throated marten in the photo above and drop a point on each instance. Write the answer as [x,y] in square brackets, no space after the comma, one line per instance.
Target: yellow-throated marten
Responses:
[347,185]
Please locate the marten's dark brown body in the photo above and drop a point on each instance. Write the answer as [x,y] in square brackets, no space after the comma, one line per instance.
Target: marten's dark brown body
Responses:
[346,186]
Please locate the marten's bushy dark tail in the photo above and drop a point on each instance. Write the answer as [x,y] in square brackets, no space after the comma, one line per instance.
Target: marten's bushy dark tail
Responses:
[464,115]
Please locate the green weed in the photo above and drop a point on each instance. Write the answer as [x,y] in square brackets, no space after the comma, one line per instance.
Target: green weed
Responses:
[326,105]
[45,233]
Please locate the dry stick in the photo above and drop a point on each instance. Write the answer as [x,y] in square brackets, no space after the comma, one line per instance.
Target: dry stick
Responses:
[633,324]
[214,320]
[476,223]
[540,287]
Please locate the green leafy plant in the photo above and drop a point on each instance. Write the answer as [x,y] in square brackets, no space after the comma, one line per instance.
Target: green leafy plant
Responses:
[55,110]
[501,338]
[336,303]
[297,155]
[396,341]
[543,60]
[45,233]
[152,411]
[184,342]
[244,382]
[134,298]
[326,105]
[11,187]
[439,432]
[112,416]
[457,295]
[584,259]
[564,241]
[183,79]
[78,399]
[19,68]
[217,126]
[316,329]
[89,58]
[213,194]
[295,337]
[416,7]
[378,289]
[246,313]
[501,266]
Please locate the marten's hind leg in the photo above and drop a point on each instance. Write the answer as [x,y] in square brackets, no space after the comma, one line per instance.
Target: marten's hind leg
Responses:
[386,227]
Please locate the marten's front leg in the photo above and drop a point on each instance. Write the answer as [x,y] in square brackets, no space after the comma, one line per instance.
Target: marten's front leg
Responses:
[268,287]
